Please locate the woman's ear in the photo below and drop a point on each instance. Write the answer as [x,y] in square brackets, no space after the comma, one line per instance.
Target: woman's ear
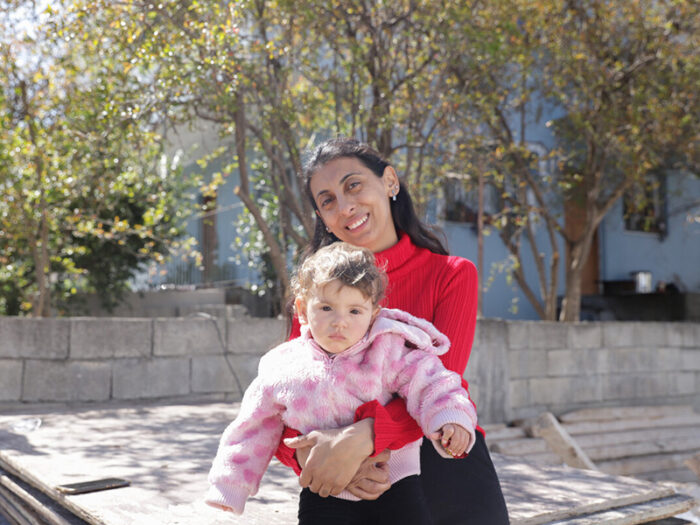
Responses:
[391,181]
[300,307]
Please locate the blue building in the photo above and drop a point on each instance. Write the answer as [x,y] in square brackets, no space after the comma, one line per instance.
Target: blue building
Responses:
[665,248]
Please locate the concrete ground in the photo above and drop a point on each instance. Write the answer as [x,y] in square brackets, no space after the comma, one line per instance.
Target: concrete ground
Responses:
[165,451]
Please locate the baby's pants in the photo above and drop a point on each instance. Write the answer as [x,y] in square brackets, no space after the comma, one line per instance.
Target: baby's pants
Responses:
[403,504]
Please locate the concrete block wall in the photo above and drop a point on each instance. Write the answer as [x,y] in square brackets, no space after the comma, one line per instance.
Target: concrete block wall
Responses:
[101,359]
[561,367]
[516,370]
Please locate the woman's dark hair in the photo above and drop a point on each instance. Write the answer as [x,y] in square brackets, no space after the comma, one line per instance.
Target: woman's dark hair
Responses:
[402,211]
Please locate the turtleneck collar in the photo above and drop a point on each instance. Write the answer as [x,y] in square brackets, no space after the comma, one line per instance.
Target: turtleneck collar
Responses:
[396,255]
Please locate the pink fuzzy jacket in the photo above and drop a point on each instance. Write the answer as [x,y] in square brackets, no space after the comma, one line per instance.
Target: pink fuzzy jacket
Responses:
[299,385]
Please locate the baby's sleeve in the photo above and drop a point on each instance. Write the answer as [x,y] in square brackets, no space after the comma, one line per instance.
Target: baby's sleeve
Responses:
[434,395]
[245,449]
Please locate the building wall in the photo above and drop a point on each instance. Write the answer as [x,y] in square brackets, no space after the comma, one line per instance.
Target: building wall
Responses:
[674,258]
[517,368]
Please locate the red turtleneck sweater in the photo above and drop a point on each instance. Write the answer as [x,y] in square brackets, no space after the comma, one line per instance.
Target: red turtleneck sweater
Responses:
[439,288]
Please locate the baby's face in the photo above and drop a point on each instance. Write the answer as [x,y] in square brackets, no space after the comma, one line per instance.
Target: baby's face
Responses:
[337,315]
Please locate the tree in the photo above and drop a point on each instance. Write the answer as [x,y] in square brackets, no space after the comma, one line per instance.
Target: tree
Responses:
[272,75]
[88,197]
[623,77]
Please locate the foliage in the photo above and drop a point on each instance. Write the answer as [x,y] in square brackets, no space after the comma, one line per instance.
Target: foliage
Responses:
[440,88]
[89,196]
[622,79]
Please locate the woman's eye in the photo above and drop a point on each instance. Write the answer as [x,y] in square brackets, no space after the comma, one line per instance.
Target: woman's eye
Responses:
[326,201]
[354,185]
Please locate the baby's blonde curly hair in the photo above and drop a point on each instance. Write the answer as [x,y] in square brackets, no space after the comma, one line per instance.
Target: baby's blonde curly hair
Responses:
[350,265]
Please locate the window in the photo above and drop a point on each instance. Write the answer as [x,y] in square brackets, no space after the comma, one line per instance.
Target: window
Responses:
[644,206]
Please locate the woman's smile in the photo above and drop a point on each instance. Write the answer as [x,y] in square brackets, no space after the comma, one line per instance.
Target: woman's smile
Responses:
[356,224]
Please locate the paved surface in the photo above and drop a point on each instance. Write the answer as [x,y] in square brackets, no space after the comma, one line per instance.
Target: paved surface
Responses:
[166,450]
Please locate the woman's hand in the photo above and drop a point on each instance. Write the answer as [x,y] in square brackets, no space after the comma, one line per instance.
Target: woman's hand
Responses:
[334,456]
[372,478]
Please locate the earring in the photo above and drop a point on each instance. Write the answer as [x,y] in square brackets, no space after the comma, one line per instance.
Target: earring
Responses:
[328,229]
[393,194]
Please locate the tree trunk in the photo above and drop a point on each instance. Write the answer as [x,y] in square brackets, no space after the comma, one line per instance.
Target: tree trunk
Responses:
[41,306]
[579,252]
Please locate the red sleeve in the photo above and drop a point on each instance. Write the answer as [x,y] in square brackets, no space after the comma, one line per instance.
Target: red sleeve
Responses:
[454,316]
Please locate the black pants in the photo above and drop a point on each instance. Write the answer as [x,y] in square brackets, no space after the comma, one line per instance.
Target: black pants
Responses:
[455,492]
[464,491]
[403,504]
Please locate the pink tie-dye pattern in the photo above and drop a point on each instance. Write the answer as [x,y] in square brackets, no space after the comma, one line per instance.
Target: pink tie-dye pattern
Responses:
[301,386]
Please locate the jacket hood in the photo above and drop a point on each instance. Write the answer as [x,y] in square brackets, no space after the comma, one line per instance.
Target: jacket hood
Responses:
[414,330]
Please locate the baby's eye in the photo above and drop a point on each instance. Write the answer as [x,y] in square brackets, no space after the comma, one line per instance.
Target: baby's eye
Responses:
[326,308]
[355,311]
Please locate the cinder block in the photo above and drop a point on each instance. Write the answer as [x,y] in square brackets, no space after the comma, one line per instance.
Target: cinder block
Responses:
[650,334]
[181,337]
[487,369]
[628,386]
[548,334]
[691,359]
[527,363]
[616,334]
[576,362]
[66,381]
[519,393]
[150,378]
[254,335]
[630,360]
[490,333]
[34,338]
[670,359]
[585,335]
[10,380]
[680,334]
[94,338]
[246,367]
[518,334]
[556,390]
[218,374]
[683,383]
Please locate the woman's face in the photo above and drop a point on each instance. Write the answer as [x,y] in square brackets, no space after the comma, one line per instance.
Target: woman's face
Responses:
[354,203]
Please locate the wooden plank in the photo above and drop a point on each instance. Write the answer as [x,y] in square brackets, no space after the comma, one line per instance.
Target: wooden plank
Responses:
[612,413]
[643,464]
[637,513]
[591,427]
[655,446]
[634,436]
[16,511]
[43,510]
[560,442]
[541,495]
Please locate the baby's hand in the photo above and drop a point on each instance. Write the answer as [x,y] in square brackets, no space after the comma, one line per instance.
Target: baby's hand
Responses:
[454,439]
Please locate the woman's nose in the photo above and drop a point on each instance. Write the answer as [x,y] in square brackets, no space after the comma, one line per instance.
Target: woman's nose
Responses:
[346,206]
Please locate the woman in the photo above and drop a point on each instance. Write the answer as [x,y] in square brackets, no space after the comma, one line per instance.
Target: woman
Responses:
[359,199]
